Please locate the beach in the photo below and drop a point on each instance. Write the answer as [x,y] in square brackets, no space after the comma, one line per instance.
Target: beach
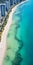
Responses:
[3,43]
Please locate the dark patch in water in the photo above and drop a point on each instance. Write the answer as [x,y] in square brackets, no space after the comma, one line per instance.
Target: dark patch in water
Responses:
[17,59]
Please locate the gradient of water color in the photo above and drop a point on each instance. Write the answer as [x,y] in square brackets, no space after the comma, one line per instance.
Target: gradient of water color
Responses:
[20,36]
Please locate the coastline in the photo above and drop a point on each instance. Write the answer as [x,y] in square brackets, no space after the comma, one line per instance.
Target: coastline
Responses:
[3,45]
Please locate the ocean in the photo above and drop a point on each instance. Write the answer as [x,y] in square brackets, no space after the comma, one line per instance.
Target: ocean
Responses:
[20,37]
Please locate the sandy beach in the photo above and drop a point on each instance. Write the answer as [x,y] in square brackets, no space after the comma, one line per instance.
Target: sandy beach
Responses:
[3,42]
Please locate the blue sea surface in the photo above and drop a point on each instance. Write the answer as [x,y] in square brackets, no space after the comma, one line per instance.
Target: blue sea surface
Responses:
[23,16]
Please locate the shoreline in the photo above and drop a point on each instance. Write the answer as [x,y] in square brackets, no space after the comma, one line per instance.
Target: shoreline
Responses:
[3,45]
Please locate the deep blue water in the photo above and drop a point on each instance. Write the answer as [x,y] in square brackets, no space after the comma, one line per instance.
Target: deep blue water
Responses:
[24,18]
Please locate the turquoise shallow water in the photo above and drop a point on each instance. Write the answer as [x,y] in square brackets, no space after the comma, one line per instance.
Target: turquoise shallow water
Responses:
[20,37]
